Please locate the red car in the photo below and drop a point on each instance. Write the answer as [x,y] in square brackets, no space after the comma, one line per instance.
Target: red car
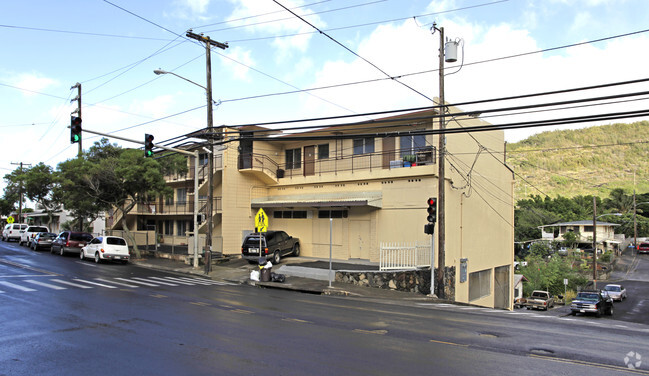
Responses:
[643,248]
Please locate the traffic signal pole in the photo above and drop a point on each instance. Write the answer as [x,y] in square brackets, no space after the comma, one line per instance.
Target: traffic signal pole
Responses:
[78,112]
[195,155]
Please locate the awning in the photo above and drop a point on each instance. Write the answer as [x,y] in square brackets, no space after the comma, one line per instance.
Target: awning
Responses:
[347,199]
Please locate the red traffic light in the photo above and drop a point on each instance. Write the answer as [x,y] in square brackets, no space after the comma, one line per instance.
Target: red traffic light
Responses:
[432,210]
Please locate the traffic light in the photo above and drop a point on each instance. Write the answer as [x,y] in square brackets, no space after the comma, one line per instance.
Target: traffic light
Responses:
[148,145]
[429,228]
[75,129]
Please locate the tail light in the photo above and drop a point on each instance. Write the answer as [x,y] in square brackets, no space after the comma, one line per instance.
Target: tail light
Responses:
[266,251]
[102,250]
[67,242]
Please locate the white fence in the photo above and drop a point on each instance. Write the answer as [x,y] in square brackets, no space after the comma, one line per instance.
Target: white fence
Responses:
[403,256]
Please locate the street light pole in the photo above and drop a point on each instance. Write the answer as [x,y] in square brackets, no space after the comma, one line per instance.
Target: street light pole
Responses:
[594,243]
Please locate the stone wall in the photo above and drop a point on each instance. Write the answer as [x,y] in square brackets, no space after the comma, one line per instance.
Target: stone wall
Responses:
[403,280]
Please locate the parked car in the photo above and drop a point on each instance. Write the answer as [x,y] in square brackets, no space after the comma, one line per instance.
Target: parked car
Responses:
[12,231]
[274,246]
[43,240]
[70,242]
[616,292]
[643,248]
[540,300]
[28,234]
[110,248]
[596,302]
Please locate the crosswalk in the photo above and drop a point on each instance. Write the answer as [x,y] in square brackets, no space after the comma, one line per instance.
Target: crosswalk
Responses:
[49,283]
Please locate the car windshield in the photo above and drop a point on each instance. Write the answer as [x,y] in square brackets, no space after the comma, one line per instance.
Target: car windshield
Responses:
[115,241]
[80,237]
[612,288]
[252,241]
[46,235]
[587,296]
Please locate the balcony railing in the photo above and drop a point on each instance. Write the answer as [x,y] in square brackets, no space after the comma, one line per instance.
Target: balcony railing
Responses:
[175,208]
[359,162]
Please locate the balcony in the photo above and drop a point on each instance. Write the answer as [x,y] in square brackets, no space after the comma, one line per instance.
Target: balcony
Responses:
[175,208]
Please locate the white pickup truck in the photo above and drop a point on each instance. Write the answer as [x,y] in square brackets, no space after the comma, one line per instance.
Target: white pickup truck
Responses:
[540,300]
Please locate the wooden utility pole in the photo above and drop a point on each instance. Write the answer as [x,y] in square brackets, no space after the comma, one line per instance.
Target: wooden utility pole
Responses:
[20,203]
[210,129]
[594,243]
[441,188]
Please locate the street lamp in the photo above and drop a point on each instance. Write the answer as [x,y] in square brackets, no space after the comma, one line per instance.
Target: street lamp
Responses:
[210,164]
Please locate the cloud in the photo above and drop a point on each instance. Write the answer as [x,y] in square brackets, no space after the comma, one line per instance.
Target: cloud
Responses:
[239,55]
[33,83]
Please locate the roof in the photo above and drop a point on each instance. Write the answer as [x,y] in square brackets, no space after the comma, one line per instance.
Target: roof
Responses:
[518,278]
[341,199]
[580,223]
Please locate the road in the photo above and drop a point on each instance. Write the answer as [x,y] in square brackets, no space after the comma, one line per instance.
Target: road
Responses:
[636,281]
[63,316]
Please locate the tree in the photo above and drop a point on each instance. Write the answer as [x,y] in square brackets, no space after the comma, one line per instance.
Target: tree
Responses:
[39,182]
[111,177]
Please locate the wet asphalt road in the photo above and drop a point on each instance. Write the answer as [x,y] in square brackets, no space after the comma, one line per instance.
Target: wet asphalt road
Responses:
[63,316]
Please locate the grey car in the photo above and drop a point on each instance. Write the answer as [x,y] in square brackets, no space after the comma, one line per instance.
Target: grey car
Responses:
[616,292]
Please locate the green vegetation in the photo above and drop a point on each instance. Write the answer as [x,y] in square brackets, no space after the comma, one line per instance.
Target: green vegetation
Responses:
[589,161]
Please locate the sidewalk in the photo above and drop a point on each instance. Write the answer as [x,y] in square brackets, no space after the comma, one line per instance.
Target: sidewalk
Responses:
[303,274]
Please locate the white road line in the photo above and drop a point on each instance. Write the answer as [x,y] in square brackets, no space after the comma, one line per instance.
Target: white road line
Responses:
[18,287]
[201,281]
[163,283]
[174,280]
[95,283]
[138,282]
[49,286]
[85,263]
[71,284]
[116,283]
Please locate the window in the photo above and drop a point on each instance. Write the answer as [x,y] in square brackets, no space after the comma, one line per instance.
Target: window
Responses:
[169,200]
[203,160]
[181,196]
[412,144]
[323,151]
[363,145]
[181,228]
[588,228]
[169,227]
[290,214]
[332,214]
[293,158]
[479,284]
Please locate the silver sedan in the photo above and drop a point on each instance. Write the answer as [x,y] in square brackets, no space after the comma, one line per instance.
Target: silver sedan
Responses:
[616,292]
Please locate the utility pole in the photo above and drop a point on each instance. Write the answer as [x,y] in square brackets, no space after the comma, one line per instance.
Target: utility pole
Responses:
[635,223]
[20,203]
[594,243]
[78,112]
[441,189]
[210,129]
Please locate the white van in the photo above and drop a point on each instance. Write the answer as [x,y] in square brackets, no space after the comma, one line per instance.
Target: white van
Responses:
[12,231]
[27,235]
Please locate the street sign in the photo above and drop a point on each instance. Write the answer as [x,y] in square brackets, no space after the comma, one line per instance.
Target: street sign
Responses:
[261,221]
[10,220]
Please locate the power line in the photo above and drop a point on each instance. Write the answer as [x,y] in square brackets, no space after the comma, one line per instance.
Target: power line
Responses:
[351,51]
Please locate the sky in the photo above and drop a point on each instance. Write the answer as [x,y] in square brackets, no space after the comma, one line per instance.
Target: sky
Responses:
[113,47]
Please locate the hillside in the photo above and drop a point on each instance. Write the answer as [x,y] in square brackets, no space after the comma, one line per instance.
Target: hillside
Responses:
[582,162]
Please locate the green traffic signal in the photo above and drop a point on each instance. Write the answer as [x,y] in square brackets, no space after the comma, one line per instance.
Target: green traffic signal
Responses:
[75,129]
[148,145]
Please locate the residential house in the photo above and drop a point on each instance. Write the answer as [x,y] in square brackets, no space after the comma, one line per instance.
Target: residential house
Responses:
[370,181]
[604,233]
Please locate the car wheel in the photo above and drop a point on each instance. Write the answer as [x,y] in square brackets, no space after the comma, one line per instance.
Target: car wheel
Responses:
[574,313]
[61,252]
[296,250]
[81,255]
[276,257]
[610,311]
[97,259]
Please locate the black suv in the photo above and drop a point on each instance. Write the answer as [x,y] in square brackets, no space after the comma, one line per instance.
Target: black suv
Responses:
[274,246]
[597,302]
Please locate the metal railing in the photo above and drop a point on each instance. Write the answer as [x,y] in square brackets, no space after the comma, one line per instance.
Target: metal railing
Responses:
[259,162]
[404,256]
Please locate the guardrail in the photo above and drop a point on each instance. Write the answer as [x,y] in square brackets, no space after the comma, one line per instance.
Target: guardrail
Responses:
[404,256]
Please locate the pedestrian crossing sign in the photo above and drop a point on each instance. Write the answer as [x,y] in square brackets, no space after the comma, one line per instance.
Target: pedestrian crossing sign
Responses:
[261,221]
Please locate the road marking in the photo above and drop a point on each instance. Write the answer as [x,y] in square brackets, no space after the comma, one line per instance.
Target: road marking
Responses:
[448,343]
[378,332]
[202,304]
[242,311]
[160,296]
[72,284]
[173,280]
[94,283]
[162,283]
[138,282]
[18,287]
[85,263]
[49,286]
[298,320]
[196,280]
[116,283]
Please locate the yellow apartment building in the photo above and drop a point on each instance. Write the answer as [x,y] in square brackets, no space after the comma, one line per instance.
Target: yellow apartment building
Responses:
[372,179]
